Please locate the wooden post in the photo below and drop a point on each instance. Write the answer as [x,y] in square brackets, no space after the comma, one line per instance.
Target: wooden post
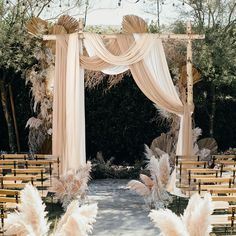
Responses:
[81,27]
[14,118]
[189,66]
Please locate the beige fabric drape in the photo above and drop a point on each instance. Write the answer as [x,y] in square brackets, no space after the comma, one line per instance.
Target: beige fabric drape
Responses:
[68,104]
[75,155]
[151,73]
[134,54]
[148,75]
[59,100]
[142,54]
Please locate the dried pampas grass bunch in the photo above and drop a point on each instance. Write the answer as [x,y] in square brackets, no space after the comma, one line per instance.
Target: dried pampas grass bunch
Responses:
[38,77]
[77,220]
[73,185]
[31,219]
[194,222]
[153,188]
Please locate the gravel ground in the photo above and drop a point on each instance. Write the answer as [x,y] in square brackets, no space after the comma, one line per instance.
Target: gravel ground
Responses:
[121,212]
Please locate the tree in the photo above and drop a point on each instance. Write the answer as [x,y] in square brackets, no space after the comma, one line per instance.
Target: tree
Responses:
[216,55]
[18,50]
[15,55]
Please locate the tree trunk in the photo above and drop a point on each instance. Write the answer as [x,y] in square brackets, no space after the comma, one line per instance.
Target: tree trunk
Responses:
[7,114]
[213,109]
[14,117]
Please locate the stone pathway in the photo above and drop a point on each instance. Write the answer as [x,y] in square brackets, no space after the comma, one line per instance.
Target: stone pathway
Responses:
[120,212]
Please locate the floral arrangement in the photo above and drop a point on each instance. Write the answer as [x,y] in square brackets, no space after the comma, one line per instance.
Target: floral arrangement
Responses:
[153,188]
[72,186]
[39,76]
[31,219]
[194,222]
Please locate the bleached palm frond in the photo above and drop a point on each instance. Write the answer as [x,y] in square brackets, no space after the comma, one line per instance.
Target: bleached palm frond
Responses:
[139,188]
[205,154]
[208,143]
[147,152]
[199,223]
[134,24]
[31,213]
[146,180]
[69,23]
[164,169]
[168,222]
[159,152]
[77,220]
[36,26]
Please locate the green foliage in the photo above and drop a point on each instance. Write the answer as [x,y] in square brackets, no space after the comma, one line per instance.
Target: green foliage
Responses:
[120,121]
[215,58]
[225,115]
[153,28]
[17,47]
[102,29]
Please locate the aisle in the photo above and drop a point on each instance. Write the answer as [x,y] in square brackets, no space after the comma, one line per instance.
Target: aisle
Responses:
[120,212]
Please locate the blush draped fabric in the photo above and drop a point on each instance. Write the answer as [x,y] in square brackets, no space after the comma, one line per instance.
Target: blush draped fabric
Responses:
[143,54]
[68,104]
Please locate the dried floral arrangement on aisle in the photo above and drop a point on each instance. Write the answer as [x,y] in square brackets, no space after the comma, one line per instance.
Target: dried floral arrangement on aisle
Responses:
[72,186]
[31,218]
[154,188]
[194,222]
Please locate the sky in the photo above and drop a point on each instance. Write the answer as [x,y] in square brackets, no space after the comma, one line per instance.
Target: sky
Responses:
[114,16]
[107,12]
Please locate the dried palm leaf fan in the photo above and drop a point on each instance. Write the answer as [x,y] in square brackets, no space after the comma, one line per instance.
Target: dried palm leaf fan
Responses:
[164,142]
[54,30]
[208,143]
[36,26]
[69,23]
[183,75]
[134,24]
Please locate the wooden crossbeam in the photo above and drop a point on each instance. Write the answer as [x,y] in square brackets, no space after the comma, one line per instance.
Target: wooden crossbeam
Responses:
[160,36]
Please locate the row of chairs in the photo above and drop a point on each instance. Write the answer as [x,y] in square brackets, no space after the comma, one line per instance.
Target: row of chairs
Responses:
[195,175]
[16,170]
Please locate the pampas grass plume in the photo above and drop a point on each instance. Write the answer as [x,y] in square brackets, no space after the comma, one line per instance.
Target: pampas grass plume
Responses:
[139,188]
[164,169]
[77,220]
[31,216]
[168,222]
[148,152]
